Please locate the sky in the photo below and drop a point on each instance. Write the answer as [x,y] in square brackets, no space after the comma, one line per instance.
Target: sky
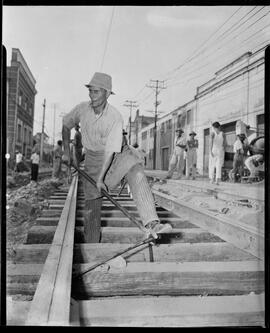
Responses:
[183,45]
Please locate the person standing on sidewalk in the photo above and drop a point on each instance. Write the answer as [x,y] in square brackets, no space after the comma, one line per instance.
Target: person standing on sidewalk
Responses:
[217,152]
[107,160]
[240,149]
[177,161]
[34,166]
[192,146]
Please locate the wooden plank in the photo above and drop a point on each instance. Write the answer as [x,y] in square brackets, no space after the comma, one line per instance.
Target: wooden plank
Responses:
[25,272]
[51,303]
[45,234]
[179,252]
[231,278]
[104,213]
[242,236]
[174,311]
[150,278]
[33,253]
[176,222]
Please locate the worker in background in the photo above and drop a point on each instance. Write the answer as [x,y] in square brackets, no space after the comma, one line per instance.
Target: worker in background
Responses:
[177,161]
[77,143]
[34,166]
[240,149]
[19,161]
[216,153]
[57,159]
[255,162]
[191,154]
[107,160]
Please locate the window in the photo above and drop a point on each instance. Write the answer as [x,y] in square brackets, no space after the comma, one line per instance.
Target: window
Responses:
[25,135]
[20,98]
[19,133]
[188,117]
[162,130]
[179,120]
[31,109]
[151,132]
[169,124]
[144,135]
[30,138]
[26,104]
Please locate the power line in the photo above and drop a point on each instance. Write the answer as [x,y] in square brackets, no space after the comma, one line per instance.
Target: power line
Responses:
[218,40]
[237,50]
[107,39]
[191,57]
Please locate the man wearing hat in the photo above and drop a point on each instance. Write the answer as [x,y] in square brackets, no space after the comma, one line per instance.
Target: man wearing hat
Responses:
[177,160]
[107,159]
[77,143]
[192,145]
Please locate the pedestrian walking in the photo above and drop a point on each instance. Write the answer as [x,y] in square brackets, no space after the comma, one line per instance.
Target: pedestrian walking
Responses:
[191,154]
[57,159]
[107,160]
[177,161]
[217,153]
[34,166]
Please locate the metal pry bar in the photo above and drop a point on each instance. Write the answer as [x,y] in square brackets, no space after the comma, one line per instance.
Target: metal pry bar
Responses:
[146,241]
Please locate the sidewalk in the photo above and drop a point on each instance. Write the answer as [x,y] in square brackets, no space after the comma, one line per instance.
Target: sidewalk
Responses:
[226,190]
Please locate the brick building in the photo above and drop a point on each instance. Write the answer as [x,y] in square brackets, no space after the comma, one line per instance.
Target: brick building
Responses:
[20,105]
[137,125]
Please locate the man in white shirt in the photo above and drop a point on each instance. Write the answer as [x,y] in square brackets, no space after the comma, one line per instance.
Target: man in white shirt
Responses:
[19,161]
[107,160]
[177,161]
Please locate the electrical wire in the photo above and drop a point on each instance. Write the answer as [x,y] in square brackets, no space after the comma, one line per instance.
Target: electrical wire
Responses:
[107,38]
[225,44]
[198,49]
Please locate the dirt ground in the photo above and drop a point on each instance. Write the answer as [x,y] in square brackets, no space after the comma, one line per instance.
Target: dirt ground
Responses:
[23,206]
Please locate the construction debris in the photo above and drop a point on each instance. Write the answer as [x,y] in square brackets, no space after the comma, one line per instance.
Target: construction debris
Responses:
[24,205]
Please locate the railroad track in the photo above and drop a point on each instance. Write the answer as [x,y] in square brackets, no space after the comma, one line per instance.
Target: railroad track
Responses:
[195,278]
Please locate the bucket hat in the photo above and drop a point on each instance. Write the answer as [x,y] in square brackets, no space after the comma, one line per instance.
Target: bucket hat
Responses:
[101,80]
[179,130]
[192,133]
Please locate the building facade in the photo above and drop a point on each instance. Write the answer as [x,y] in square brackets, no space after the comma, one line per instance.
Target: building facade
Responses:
[137,125]
[21,93]
[236,92]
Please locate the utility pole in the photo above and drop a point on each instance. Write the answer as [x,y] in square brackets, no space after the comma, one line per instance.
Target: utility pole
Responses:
[130,104]
[157,85]
[42,132]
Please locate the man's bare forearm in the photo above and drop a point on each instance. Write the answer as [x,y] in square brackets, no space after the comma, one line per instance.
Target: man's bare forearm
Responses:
[66,139]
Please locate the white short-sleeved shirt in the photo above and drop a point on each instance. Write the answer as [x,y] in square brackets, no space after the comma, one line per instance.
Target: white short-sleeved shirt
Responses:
[99,132]
[35,158]
[237,145]
[19,157]
[179,141]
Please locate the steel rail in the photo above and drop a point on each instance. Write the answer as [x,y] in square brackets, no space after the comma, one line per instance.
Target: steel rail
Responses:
[52,299]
